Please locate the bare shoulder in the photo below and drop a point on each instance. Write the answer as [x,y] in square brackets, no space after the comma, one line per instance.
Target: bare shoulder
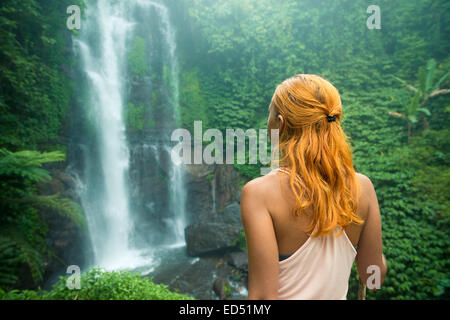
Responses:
[366,183]
[258,187]
[363,179]
[259,191]
[368,196]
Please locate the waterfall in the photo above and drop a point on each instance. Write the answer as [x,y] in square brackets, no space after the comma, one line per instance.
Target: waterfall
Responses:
[177,191]
[105,189]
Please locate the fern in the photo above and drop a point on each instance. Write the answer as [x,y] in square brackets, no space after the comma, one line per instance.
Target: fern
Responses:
[63,206]
[22,241]
[28,164]
[15,251]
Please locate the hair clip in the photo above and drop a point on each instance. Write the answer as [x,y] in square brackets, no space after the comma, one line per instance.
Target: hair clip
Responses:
[331,118]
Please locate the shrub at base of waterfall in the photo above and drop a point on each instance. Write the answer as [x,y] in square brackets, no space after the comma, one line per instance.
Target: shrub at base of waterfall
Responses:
[100,285]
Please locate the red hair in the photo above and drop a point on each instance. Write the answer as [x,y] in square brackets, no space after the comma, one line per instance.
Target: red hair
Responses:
[317,152]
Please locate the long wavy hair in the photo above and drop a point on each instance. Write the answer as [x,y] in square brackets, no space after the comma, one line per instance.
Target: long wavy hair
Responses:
[317,153]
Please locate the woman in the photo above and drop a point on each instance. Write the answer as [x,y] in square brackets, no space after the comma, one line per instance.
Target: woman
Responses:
[307,221]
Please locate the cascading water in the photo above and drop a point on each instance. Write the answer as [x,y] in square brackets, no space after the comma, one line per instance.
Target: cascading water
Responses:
[177,192]
[113,197]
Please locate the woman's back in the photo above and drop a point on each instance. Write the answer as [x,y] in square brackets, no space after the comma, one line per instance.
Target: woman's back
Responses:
[310,267]
[290,229]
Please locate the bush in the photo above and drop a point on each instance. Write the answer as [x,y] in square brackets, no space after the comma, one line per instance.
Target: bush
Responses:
[97,284]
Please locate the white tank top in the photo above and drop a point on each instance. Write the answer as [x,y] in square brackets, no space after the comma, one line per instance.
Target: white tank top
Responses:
[318,270]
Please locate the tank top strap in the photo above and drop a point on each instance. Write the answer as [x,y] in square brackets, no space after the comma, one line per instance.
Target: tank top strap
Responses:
[287,171]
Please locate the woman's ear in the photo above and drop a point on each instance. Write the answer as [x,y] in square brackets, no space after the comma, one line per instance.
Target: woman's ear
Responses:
[280,122]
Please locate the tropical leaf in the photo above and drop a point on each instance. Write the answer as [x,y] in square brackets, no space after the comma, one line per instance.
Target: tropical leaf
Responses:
[441,80]
[412,118]
[425,110]
[413,105]
[63,206]
[28,164]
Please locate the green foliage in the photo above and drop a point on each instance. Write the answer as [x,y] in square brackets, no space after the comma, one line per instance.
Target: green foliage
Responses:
[101,285]
[34,91]
[134,116]
[192,98]
[249,171]
[426,90]
[414,212]
[27,164]
[227,289]
[240,241]
[137,57]
[22,230]
[14,252]
[63,206]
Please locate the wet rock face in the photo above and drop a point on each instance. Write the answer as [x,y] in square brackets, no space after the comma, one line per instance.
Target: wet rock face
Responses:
[200,191]
[231,214]
[227,185]
[66,242]
[215,228]
[210,238]
[215,234]
[239,260]
[210,188]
